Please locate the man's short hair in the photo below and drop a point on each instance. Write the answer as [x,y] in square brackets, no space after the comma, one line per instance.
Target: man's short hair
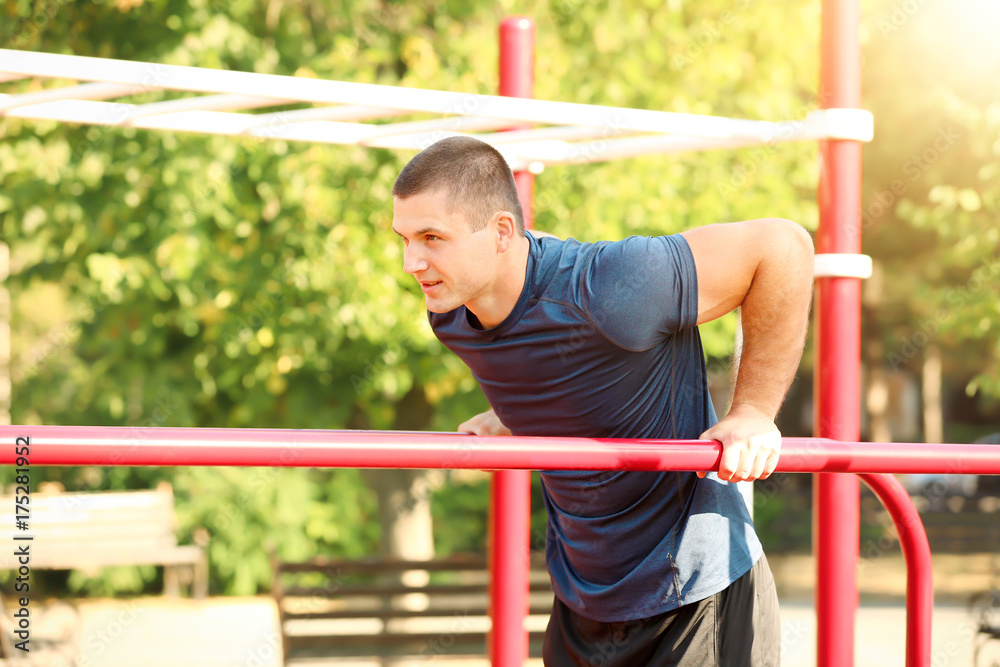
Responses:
[473,173]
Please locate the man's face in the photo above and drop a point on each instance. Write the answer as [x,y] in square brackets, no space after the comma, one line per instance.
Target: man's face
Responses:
[453,264]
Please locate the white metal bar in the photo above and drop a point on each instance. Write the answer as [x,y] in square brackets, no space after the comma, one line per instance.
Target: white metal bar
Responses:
[842,265]
[570,133]
[856,124]
[224,102]
[452,124]
[84,91]
[206,122]
[76,111]
[331,92]
[814,127]
[340,112]
[327,132]
[518,154]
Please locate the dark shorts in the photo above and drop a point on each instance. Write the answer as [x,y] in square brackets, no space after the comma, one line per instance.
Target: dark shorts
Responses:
[737,627]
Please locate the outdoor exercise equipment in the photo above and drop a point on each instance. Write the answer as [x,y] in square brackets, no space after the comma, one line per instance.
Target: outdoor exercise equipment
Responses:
[544,133]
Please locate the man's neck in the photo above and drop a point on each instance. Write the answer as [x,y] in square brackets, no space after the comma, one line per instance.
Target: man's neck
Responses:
[494,308]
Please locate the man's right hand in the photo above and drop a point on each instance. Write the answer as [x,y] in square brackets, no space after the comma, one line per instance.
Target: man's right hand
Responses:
[486,423]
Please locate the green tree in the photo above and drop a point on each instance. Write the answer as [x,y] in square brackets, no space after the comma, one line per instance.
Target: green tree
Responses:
[930,193]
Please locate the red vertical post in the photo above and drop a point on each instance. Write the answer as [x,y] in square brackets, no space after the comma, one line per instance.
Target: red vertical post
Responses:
[838,343]
[510,496]
[517,79]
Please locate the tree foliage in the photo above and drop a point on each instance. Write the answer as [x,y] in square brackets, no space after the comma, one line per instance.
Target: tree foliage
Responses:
[931,202]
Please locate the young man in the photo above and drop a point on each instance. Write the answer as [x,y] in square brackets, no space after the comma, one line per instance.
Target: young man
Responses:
[601,340]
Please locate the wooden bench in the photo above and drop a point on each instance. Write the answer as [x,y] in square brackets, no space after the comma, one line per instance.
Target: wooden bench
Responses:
[87,531]
[383,608]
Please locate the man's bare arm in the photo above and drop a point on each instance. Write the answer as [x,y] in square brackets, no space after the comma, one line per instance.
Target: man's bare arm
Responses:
[766,268]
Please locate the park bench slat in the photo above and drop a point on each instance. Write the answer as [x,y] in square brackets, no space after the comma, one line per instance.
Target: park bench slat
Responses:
[389,614]
[367,590]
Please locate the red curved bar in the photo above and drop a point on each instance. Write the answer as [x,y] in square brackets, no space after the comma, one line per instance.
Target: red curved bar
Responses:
[175,446]
[919,575]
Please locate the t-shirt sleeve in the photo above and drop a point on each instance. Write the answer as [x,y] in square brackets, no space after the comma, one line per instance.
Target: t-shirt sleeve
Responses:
[642,289]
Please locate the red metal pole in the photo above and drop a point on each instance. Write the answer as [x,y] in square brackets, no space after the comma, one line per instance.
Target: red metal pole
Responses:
[919,573]
[838,342]
[517,79]
[510,498]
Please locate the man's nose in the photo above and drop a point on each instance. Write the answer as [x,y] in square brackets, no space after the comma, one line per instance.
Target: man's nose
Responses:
[413,262]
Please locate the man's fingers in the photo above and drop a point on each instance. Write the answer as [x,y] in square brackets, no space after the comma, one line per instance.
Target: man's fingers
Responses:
[732,459]
[772,463]
[759,465]
[473,426]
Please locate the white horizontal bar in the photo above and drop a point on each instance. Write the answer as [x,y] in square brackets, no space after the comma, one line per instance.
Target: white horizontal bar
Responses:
[842,265]
[318,91]
[340,112]
[814,127]
[564,133]
[206,122]
[855,124]
[325,132]
[85,91]
[73,111]
[563,152]
[450,124]
[224,102]
[519,154]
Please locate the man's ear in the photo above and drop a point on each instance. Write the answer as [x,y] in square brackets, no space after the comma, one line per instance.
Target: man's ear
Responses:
[506,230]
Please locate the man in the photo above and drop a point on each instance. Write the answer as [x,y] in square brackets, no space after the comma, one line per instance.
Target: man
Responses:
[601,340]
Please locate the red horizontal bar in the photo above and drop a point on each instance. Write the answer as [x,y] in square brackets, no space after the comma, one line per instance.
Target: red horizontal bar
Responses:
[171,446]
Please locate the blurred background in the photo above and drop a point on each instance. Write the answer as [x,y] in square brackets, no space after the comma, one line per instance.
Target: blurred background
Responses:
[159,279]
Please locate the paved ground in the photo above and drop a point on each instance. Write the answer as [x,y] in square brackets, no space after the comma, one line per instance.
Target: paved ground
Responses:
[243,632]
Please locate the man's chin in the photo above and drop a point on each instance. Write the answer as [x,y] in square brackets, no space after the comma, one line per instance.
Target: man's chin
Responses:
[439,307]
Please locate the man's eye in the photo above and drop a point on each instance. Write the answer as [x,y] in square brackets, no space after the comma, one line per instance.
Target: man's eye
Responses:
[431,237]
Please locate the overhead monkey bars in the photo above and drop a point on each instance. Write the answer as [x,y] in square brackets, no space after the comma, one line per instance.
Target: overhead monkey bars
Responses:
[565,133]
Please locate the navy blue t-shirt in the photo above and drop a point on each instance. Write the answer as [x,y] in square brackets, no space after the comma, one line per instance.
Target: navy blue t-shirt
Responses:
[603,343]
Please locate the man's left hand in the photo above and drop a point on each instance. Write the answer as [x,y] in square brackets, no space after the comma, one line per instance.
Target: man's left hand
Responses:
[750,445]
